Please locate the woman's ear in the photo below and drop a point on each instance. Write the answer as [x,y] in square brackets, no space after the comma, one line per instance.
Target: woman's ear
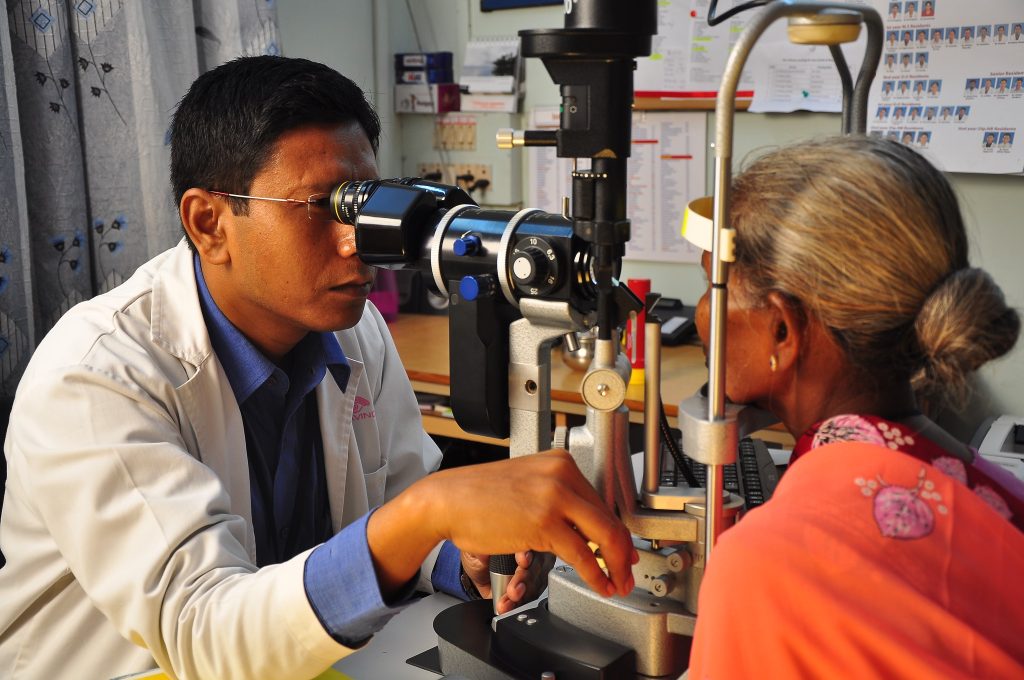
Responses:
[788,327]
[206,220]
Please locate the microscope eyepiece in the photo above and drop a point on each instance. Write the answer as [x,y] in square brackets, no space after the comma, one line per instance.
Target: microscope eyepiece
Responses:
[348,197]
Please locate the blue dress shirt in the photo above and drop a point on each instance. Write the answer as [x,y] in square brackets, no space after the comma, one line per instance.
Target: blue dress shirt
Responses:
[285,452]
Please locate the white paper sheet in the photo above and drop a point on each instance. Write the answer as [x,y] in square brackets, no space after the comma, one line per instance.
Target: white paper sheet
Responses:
[800,77]
[688,56]
[490,66]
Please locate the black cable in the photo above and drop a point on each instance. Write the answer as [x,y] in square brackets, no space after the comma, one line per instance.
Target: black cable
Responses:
[675,471]
[715,20]
[673,448]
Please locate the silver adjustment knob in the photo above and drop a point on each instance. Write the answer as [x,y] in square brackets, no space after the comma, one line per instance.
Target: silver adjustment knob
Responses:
[560,438]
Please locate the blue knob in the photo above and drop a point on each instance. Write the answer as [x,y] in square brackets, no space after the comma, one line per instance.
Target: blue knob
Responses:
[466,245]
[472,287]
[469,288]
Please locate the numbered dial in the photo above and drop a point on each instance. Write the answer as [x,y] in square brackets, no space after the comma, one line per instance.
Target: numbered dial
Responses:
[534,266]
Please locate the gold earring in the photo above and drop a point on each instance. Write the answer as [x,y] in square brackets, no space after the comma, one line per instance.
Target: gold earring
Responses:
[773,363]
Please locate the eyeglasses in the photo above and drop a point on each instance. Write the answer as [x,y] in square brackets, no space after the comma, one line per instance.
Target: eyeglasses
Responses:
[317,205]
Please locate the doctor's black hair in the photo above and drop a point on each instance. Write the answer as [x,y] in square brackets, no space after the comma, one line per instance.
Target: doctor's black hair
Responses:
[226,125]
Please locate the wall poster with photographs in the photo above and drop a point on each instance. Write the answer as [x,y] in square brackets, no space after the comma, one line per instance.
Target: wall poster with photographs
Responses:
[951,82]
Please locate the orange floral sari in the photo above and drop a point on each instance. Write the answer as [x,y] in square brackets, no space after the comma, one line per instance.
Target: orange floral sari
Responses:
[878,556]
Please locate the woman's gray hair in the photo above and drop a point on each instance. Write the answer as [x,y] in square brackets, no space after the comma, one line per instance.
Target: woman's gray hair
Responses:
[867,235]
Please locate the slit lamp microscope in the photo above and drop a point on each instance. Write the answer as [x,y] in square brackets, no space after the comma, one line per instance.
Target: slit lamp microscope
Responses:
[519,281]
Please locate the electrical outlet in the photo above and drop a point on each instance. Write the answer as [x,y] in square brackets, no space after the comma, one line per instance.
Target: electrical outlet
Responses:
[455,132]
[432,171]
[503,169]
[466,175]
[465,135]
[473,177]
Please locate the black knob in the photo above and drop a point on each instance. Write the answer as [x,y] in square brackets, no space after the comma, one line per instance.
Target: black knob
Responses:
[530,265]
[533,267]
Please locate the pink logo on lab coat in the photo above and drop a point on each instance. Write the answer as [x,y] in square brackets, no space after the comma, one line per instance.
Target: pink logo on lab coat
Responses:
[363,409]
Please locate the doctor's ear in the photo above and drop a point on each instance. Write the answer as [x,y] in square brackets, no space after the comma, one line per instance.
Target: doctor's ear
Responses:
[206,219]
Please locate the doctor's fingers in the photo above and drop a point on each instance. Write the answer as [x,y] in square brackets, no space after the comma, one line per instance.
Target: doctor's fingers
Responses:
[586,515]
[518,586]
[569,543]
[516,593]
[530,577]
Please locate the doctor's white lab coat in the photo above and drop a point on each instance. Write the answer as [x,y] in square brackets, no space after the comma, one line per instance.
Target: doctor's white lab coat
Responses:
[127,518]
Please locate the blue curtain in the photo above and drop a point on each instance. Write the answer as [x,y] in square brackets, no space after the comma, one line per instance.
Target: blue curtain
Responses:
[87,89]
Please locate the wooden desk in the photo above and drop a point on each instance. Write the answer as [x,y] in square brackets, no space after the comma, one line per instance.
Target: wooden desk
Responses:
[422,342]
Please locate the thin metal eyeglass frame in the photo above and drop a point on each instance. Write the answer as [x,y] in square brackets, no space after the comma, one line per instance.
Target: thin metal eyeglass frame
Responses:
[314,200]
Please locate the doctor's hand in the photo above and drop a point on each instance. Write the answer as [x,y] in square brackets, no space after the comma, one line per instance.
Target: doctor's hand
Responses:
[528,582]
[535,503]
[475,566]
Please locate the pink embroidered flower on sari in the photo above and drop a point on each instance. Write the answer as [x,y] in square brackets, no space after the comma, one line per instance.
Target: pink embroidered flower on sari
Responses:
[847,428]
[954,467]
[899,513]
[902,512]
[991,497]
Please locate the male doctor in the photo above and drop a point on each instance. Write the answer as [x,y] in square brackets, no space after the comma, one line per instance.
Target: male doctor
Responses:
[187,485]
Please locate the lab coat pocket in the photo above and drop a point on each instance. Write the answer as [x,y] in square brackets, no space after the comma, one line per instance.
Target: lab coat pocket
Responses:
[376,482]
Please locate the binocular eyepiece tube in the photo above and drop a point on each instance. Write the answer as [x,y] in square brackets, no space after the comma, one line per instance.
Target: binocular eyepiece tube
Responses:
[411,223]
[347,198]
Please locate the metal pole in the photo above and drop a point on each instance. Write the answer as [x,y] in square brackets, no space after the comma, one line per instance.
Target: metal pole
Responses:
[725,108]
[652,408]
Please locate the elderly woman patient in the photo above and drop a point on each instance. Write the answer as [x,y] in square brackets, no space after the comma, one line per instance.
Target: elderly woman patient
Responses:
[890,549]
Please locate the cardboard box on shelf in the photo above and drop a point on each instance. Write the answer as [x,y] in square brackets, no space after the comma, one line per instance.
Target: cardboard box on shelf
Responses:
[417,76]
[423,60]
[504,103]
[422,98]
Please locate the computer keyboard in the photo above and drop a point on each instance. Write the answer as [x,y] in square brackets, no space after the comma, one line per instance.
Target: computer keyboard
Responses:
[753,476]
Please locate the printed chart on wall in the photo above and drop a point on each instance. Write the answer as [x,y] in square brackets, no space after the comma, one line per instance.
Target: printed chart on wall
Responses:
[688,58]
[687,55]
[951,82]
[667,169]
